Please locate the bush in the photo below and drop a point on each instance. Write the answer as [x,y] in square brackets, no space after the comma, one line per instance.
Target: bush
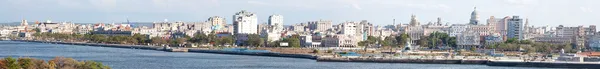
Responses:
[56,63]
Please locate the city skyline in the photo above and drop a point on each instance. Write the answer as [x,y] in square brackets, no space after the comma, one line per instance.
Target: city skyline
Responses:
[378,12]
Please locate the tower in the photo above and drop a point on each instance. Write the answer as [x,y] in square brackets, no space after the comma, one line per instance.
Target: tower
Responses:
[413,21]
[474,17]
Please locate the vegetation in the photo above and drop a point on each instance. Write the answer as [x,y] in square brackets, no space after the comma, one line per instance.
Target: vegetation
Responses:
[514,44]
[293,41]
[56,63]
[436,40]
[402,39]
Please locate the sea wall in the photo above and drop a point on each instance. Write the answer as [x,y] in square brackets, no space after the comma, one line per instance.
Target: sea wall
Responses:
[401,60]
[272,54]
[545,64]
[99,45]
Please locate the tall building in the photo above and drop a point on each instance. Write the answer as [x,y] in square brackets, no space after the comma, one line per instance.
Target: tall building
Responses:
[320,25]
[474,17]
[348,28]
[245,23]
[216,22]
[515,28]
[499,24]
[276,21]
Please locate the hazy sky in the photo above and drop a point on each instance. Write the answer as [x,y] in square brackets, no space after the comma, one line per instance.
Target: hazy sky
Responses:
[380,12]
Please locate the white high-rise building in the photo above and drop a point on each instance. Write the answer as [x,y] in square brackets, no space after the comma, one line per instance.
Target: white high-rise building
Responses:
[245,22]
[276,21]
[349,28]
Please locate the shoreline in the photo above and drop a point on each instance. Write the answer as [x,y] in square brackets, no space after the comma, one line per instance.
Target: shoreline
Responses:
[342,59]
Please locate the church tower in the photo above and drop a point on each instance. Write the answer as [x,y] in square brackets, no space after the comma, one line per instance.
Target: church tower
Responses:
[413,21]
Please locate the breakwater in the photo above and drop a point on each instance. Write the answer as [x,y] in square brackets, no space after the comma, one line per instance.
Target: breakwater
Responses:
[588,65]
[273,54]
[402,60]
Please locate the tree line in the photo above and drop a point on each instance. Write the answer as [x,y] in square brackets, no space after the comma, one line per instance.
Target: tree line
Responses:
[56,63]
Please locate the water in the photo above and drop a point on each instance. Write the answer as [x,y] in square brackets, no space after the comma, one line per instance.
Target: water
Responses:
[119,58]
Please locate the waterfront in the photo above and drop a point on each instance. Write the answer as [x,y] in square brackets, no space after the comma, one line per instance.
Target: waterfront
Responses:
[120,58]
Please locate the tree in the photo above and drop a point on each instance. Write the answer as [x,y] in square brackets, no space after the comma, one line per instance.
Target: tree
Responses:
[254,40]
[402,39]
[10,63]
[363,43]
[293,42]
[512,40]
[424,42]
[389,41]
[158,40]
[26,63]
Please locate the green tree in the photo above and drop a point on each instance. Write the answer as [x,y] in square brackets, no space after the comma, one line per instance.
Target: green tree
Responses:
[402,39]
[10,63]
[26,63]
[424,42]
[158,41]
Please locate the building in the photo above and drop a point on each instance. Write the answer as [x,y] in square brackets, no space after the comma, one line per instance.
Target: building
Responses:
[112,33]
[457,29]
[515,28]
[276,21]
[245,22]
[493,39]
[577,34]
[340,41]
[468,40]
[348,28]
[307,41]
[414,30]
[216,22]
[474,17]
[298,27]
[594,42]
[556,40]
[320,25]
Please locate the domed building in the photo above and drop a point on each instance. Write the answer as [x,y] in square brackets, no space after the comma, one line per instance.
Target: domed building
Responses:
[474,17]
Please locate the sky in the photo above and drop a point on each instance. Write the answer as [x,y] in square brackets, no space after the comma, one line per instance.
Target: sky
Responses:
[378,12]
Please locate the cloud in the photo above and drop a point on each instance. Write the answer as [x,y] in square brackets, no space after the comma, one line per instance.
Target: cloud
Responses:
[521,2]
[586,9]
[257,3]
[356,6]
[442,7]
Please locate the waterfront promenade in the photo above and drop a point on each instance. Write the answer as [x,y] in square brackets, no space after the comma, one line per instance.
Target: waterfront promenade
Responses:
[325,58]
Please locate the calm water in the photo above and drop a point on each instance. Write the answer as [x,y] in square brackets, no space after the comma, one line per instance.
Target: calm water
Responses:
[119,58]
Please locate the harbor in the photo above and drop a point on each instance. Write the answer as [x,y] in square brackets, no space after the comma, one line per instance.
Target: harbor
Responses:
[332,58]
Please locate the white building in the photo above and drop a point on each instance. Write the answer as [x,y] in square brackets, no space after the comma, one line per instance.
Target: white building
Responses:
[348,28]
[245,22]
[340,41]
[276,21]
[457,29]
